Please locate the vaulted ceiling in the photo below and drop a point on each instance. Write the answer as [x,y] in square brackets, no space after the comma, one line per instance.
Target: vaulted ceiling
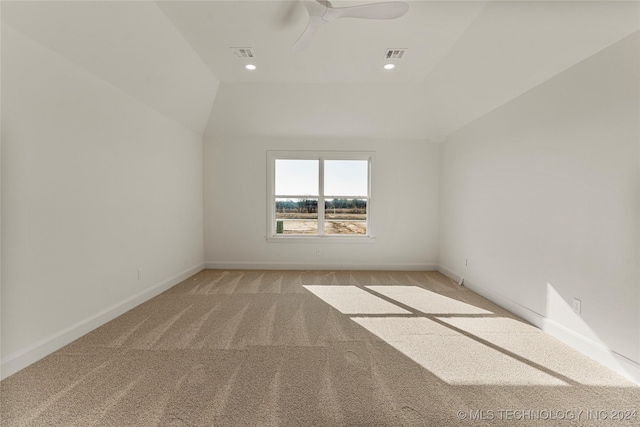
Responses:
[464,59]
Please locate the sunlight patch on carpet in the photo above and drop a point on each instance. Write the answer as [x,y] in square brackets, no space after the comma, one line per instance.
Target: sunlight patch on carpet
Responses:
[426,301]
[453,357]
[353,300]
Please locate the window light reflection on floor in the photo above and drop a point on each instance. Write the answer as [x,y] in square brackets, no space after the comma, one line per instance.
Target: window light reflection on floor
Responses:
[538,348]
[353,300]
[453,357]
[426,301]
[433,336]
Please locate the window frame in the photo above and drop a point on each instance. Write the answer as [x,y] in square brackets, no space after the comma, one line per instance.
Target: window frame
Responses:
[321,156]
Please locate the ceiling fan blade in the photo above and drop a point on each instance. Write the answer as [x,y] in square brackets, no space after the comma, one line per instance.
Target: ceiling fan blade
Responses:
[388,10]
[303,41]
[315,7]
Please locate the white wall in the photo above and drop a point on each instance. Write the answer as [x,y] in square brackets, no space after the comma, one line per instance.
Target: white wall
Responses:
[542,196]
[95,184]
[404,203]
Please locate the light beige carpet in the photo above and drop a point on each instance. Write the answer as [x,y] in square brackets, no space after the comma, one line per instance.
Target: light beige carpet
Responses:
[249,348]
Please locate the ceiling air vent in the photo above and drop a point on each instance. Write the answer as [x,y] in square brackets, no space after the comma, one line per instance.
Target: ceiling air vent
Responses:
[395,53]
[243,52]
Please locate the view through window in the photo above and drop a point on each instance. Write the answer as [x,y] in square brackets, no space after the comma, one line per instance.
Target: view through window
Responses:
[324,196]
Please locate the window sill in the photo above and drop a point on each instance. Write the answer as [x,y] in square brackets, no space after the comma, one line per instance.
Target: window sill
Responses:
[323,239]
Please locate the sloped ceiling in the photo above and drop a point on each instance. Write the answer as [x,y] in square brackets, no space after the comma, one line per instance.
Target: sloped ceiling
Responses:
[130,45]
[465,59]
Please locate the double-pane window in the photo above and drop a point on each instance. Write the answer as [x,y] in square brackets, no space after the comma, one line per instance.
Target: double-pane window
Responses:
[325,194]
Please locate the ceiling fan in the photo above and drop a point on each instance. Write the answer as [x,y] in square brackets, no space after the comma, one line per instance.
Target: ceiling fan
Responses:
[321,12]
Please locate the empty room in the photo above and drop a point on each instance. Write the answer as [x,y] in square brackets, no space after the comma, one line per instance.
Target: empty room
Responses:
[297,213]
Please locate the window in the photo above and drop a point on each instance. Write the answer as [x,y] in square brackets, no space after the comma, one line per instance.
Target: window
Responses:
[319,195]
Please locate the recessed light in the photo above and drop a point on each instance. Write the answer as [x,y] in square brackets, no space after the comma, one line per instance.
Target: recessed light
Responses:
[250,67]
[389,66]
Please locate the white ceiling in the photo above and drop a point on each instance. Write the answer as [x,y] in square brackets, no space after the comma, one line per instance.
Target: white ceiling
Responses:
[345,50]
[464,60]
[487,54]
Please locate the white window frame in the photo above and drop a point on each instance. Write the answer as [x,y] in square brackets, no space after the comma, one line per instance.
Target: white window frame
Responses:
[321,156]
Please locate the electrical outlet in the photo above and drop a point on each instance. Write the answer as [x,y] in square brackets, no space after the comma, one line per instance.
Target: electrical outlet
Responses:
[317,251]
[139,274]
[577,306]
[466,262]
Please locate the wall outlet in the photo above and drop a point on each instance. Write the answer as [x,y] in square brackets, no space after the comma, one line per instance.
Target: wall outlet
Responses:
[139,274]
[466,262]
[577,306]
[317,251]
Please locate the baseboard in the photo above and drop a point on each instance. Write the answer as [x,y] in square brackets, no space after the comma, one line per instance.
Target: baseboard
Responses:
[31,354]
[598,352]
[228,265]
[449,273]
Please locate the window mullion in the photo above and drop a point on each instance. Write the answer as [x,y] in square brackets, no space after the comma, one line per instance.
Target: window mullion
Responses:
[321,198]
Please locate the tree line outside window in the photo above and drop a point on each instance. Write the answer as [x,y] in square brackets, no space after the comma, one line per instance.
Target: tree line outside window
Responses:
[311,205]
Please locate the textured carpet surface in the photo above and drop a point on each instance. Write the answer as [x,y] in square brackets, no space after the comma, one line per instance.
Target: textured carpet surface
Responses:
[325,348]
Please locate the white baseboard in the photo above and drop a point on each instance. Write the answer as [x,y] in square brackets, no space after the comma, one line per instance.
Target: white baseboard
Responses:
[597,351]
[229,265]
[36,351]
[600,353]
[449,273]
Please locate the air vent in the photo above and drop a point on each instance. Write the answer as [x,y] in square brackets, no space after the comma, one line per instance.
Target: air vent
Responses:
[395,53]
[243,52]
